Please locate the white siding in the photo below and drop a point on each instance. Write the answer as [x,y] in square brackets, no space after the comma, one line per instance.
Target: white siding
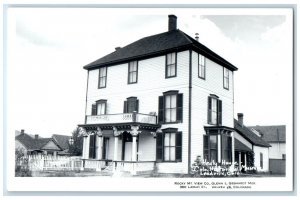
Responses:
[201,89]
[276,151]
[151,84]
[147,147]
[265,151]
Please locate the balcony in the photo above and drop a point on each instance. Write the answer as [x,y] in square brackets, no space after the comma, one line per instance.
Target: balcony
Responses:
[122,118]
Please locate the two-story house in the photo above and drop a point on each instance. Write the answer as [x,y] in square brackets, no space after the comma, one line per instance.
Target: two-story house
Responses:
[158,103]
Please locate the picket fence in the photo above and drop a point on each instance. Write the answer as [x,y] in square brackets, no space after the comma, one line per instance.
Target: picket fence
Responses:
[49,162]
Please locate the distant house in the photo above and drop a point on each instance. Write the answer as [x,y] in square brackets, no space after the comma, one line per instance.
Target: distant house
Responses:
[246,142]
[276,137]
[63,143]
[37,145]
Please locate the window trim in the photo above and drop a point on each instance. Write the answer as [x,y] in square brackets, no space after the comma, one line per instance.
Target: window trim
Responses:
[101,101]
[219,110]
[170,93]
[166,65]
[129,72]
[163,133]
[226,78]
[204,67]
[100,87]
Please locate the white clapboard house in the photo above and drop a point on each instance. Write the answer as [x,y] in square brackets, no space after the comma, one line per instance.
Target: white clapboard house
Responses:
[157,104]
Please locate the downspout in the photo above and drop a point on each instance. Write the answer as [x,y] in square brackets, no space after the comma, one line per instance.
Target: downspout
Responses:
[190,113]
[86,93]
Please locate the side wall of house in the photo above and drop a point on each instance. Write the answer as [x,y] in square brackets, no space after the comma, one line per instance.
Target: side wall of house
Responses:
[201,89]
[277,149]
[265,151]
[151,84]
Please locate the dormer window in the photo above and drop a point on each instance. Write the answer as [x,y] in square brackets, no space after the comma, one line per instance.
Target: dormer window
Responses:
[132,72]
[171,65]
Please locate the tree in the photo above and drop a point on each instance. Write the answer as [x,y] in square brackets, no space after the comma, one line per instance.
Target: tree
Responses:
[76,148]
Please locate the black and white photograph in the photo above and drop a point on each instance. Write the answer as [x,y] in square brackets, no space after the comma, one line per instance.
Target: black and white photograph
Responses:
[149,99]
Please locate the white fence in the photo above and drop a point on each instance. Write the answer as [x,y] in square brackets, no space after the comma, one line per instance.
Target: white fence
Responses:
[40,163]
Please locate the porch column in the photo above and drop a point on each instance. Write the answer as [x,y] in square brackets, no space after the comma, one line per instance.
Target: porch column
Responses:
[219,147]
[240,159]
[116,134]
[83,132]
[99,143]
[245,164]
[134,132]
[232,150]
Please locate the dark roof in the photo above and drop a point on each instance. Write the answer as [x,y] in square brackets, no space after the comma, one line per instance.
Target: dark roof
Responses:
[249,135]
[62,140]
[155,45]
[31,143]
[271,133]
[239,146]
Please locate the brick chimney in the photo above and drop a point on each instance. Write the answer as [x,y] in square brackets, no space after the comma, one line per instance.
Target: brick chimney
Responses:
[241,118]
[36,136]
[22,132]
[172,22]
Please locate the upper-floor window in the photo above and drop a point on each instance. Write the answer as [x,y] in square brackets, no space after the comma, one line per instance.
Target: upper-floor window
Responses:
[226,78]
[132,72]
[102,77]
[201,66]
[170,107]
[171,65]
[169,145]
[131,105]
[214,113]
[99,108]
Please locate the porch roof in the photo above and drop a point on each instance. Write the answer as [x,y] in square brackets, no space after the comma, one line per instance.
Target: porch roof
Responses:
[218,128]
[239,146]
[122,126]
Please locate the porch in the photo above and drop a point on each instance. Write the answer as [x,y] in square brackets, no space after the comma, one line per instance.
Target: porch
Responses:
[121,142]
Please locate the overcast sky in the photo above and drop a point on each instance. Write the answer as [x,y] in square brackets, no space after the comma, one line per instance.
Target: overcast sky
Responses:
[47,48]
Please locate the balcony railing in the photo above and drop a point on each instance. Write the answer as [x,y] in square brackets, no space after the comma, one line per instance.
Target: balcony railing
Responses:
[122,118]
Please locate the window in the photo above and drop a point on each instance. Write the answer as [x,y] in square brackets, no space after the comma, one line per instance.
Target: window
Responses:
[99,108]
[171,65]
[131,105]
[214,110]
[102,77]
[261,161]
[170,107]
[169,146]
[226,78]
[210,148]
[132,72]
[92,150]
[201,66]
[226,148]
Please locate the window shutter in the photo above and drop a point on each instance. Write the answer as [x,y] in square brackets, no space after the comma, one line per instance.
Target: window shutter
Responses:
[230,148]
[209,110]
[159,147]
[161,109]
[206,148]
[125,107]
[179,107]
[178,155]
[219,112]
[94,109]
[137,106]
